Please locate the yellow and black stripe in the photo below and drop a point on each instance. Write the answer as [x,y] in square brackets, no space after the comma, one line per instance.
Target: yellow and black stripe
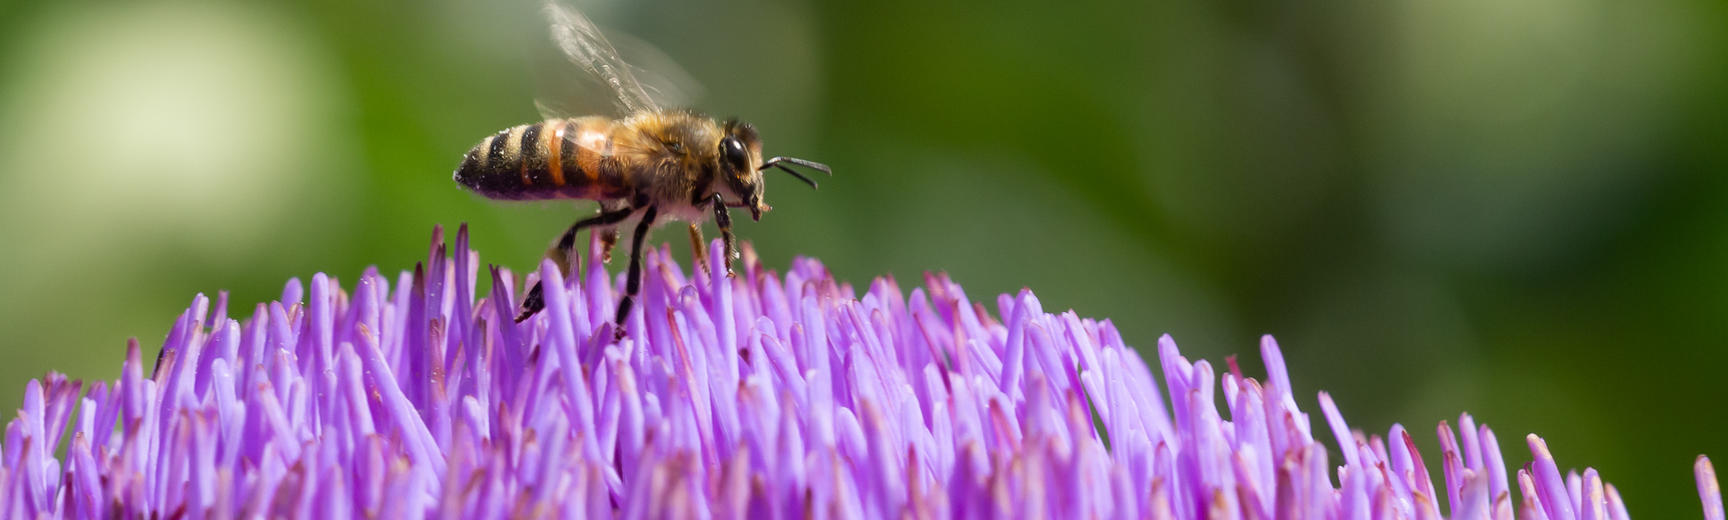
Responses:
[544,161]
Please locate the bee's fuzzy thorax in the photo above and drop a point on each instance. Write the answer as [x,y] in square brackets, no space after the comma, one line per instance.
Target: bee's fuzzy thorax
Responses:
[672,155]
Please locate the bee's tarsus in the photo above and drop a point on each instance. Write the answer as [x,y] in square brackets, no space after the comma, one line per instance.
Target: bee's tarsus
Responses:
[532,304]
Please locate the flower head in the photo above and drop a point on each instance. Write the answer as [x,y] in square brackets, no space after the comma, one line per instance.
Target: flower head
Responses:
[758,396]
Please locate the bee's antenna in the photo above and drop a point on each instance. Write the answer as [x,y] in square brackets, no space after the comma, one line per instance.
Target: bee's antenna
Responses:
[801,162]
[777,163]
[800,176]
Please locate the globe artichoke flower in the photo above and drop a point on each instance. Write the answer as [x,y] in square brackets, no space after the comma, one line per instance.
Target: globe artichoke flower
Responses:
[761,396]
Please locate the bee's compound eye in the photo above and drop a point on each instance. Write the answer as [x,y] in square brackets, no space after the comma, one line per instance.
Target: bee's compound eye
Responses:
[733,152]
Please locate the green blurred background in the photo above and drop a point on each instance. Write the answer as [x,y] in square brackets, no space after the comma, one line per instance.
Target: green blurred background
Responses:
[1519,209]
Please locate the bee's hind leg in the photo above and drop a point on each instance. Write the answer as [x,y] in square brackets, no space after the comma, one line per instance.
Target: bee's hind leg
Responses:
[635,282]
[560,254]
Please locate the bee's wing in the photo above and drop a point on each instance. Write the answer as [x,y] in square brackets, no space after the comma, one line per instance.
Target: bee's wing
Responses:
[581,42]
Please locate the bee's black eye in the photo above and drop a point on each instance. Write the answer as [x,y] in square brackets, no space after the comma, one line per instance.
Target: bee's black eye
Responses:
[733,152]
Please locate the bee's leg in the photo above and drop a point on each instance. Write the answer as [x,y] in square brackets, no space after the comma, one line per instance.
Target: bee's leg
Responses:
[635,281]
[697,249]
[723,219]
[560,254]
[609,236]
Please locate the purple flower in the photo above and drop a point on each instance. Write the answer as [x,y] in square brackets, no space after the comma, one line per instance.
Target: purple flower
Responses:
[761,396]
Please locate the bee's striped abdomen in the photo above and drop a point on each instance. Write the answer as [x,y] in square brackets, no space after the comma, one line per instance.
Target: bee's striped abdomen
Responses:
[555,159]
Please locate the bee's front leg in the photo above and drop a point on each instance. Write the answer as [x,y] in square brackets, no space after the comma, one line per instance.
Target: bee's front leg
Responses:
[723,219]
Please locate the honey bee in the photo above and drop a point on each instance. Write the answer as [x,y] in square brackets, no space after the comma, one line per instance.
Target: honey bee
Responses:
[654,164]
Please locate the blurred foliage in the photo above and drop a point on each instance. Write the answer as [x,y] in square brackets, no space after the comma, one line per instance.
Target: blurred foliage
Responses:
[1512,208]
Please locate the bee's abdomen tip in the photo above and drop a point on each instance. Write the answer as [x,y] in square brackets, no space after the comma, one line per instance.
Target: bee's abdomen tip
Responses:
[468,173]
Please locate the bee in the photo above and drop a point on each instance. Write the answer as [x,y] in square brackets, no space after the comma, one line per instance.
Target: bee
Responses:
[653,164]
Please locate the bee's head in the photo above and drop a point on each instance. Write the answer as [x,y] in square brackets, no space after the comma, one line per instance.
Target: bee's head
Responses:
[741,166]
[740,163]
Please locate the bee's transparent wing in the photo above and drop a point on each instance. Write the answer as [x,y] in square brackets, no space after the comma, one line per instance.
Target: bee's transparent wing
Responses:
[582,43]
[668,85]
[550,109]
